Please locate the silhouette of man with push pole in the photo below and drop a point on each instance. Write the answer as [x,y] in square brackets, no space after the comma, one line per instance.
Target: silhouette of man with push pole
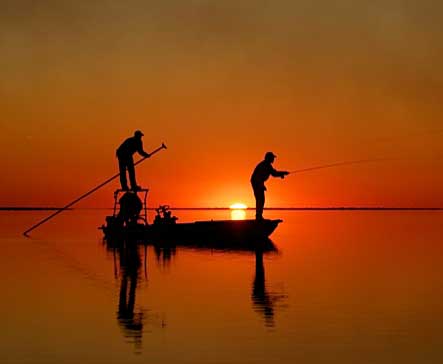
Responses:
[260,175]
[126,162]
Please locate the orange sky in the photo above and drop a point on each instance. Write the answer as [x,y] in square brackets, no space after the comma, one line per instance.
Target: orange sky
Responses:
[221,83]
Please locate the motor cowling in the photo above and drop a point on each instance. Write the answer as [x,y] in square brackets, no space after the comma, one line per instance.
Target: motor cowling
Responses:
[130,207]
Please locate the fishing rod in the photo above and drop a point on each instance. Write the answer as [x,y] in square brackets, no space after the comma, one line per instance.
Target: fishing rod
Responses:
[338,164]
[26,233]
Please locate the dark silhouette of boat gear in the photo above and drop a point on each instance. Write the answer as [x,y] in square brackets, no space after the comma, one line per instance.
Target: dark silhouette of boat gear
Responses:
[164,215]
[130,208]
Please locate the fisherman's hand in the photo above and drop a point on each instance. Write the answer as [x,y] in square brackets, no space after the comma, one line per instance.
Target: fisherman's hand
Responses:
[284,173]
[147,155]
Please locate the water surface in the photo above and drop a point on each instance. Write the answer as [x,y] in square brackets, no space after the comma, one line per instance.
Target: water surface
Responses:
[343,287]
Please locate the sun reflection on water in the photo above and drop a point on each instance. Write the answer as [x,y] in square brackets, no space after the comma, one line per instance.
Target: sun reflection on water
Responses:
[238,211]
[238,214]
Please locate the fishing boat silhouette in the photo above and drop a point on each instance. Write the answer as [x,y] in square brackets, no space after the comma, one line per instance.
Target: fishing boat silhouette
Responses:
[129,221]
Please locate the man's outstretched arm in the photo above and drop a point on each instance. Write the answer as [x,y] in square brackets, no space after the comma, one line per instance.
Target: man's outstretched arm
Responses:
[281,174]
[142,152]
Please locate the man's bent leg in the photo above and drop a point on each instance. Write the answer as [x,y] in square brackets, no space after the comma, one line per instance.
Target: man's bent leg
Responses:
[122,169]
[131,172]
[259,194]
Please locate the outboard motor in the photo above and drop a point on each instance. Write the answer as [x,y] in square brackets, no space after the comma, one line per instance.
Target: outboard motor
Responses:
[130,208]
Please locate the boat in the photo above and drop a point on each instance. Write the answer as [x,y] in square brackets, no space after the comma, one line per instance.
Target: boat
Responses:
[213,230]
[126,223]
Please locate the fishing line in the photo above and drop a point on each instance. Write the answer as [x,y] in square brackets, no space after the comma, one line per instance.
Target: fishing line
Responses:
[338,164]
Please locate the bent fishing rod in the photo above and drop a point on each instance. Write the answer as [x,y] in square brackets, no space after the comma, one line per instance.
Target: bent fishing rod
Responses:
[338,164]
[26,233]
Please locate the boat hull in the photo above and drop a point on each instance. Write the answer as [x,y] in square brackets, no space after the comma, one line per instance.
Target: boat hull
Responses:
[231,232]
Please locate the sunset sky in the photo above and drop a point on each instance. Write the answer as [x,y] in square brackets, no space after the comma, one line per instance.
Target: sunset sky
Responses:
[221,83]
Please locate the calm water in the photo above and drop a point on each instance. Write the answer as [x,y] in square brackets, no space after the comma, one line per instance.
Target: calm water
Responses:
[344,287]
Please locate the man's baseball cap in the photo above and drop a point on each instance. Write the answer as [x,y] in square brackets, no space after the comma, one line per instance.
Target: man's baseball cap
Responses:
[138,133]
[270,155]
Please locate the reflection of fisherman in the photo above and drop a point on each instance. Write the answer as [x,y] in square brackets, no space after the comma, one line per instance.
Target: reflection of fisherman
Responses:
[131,317]
[131,322]
[262,300]
[125,161]
[260,175]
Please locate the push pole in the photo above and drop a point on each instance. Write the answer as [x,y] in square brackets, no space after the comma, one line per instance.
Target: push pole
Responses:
[26,233]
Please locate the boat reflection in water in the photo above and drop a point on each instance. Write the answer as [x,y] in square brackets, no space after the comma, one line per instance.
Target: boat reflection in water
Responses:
[128,264]
[128,254]
[164,254]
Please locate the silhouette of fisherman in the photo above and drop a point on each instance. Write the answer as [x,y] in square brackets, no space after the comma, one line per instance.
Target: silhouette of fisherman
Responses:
[260,175]
[126,162]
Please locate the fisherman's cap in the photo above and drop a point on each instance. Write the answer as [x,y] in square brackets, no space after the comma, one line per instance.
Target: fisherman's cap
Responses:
[270,155]
[138,133]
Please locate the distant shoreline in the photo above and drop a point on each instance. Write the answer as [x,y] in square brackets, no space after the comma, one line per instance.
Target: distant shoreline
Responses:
[344,208]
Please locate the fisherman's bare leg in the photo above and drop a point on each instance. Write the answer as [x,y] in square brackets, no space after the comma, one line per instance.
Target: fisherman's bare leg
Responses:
[131,172]
[259,194]
[122,168]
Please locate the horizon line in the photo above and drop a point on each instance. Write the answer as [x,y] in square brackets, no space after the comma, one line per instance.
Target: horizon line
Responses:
[300,208]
